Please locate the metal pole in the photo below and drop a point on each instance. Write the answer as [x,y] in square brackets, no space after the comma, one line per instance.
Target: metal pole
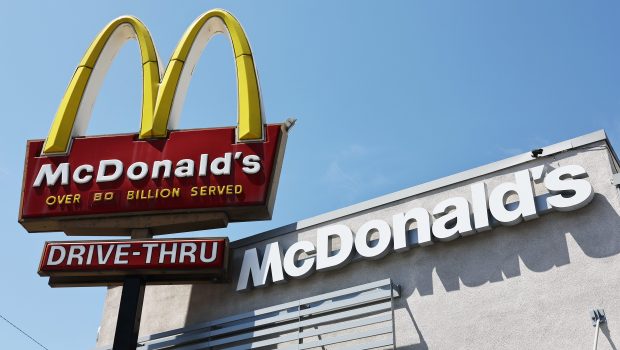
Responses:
[597,316]
[129,314]
[130,308]
[598,324]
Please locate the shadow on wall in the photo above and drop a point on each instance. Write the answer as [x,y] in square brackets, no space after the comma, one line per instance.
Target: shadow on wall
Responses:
[422,344]
[495,255]
[605,331]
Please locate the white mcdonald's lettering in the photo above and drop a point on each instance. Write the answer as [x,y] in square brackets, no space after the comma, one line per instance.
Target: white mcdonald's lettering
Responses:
[113,169]
[568,190]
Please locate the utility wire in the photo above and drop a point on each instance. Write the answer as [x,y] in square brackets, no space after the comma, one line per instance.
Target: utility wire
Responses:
[24,333]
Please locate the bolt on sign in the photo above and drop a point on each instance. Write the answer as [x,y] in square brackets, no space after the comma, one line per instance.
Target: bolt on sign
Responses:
[108,262]
[163,179]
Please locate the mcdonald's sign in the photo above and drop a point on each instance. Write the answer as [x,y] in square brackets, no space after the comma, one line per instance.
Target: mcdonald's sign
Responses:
[161,178]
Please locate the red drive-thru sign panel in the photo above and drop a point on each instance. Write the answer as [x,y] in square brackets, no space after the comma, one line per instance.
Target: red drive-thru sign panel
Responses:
[193,179]
[106,262]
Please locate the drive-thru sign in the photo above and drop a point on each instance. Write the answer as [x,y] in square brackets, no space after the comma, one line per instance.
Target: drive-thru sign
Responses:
[156,260]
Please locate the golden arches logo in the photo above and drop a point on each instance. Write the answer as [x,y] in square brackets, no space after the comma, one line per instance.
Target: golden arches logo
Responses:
[163,91]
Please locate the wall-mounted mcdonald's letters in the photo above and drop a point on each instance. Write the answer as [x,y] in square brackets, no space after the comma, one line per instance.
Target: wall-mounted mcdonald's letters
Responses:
[161,178]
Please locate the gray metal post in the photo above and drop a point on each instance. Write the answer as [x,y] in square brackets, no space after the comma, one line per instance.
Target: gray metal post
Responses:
[130,308]
[129,314]
[597,316]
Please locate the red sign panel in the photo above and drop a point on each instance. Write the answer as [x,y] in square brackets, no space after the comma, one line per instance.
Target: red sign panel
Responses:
[103,262]
[191,172]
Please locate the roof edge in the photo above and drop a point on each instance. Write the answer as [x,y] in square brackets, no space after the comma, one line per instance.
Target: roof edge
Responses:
[576,142]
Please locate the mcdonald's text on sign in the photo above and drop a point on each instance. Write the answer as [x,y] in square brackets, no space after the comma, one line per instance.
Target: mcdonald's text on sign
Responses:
[161,179]
[192,170]
[106,262]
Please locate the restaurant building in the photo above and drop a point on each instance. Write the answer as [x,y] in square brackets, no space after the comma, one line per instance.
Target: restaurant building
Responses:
[510,255]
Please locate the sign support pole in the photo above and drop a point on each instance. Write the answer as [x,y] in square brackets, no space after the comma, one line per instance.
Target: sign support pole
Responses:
[129,313]
[130,308]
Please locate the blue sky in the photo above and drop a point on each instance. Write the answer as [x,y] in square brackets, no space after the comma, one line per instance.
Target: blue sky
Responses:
[387,95]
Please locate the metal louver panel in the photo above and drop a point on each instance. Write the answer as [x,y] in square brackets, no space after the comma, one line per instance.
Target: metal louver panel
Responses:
[359,318]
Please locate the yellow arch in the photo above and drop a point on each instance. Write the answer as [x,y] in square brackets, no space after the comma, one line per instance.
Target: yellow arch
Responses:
[162,102]
[176,78]
[74,111]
